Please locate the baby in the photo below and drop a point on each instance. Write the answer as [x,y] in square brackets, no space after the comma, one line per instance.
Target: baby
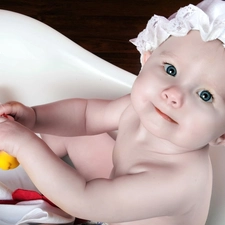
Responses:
[157,171]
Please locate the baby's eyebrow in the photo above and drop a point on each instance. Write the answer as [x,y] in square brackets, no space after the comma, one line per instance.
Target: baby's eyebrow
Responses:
[168,54]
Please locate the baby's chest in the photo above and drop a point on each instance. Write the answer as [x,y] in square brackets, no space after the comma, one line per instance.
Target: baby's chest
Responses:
[124,163]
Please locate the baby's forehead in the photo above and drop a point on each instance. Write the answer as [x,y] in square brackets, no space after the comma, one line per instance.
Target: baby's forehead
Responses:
[192,45]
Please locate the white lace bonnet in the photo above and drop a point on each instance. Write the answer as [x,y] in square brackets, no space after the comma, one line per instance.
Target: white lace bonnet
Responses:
[208,17]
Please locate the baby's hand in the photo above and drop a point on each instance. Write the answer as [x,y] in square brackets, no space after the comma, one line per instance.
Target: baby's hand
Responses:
[7,161]
[14,137]
[20,113]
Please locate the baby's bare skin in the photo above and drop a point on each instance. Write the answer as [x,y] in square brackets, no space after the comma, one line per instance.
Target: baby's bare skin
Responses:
[161,168]
[158,167]
[165,173]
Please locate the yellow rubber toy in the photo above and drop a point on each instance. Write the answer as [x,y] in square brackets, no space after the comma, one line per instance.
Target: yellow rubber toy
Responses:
[7,162]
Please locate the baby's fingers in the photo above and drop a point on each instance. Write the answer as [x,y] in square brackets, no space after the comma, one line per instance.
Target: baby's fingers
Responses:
[2,119]
[13,109]
[7,109]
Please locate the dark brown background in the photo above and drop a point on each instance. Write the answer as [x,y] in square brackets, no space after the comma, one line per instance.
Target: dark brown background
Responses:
[103,27]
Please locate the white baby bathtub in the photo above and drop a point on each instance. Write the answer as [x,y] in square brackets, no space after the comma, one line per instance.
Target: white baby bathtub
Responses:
[40,65]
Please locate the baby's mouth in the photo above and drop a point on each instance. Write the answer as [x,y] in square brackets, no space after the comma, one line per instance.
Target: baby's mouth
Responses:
[165,116]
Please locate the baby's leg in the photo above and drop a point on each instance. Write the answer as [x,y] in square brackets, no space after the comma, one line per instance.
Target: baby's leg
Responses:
[91,155]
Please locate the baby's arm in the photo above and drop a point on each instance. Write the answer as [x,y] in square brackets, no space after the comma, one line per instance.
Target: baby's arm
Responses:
[129,197]
[150,193]
[75,117]
[71,117]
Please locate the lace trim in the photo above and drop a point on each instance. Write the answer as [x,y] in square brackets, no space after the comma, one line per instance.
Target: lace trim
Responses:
[186,19]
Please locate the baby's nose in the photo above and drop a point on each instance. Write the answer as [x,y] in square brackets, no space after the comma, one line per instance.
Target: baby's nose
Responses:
[173,96]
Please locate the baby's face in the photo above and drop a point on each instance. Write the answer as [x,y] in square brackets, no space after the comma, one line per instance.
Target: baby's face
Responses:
[179,94]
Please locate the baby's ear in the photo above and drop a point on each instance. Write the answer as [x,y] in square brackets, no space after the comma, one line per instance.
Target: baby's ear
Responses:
[144,57]
[219,141]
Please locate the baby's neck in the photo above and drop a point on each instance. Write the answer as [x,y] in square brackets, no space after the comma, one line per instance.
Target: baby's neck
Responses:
[162,146]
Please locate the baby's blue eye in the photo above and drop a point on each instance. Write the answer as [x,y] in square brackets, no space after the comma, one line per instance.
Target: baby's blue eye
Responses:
[170,69]
[205,96]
